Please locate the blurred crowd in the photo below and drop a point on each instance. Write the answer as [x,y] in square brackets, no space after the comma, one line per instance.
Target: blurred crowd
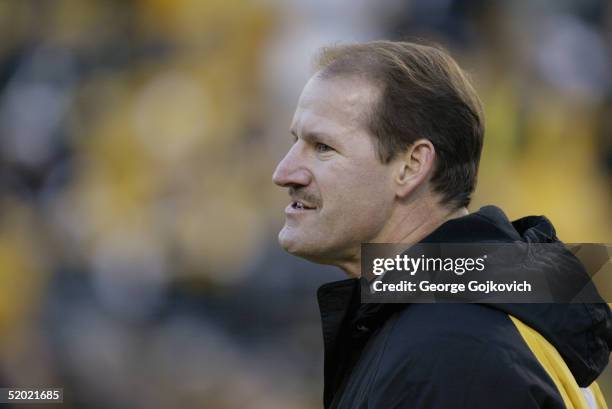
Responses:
[138,258]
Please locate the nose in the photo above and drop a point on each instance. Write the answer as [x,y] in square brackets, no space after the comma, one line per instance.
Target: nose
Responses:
[291,170]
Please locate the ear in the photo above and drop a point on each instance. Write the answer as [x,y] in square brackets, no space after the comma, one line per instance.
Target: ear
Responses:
[414,167]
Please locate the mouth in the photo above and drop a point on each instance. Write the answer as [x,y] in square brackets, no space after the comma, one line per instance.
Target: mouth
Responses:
[298,206]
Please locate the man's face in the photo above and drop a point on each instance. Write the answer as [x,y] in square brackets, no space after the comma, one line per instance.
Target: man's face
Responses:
[341,194]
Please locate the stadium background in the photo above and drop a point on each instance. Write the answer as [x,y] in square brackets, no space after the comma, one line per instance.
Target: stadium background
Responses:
[138,258]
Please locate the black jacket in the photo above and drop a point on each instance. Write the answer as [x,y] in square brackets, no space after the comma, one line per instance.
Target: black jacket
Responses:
[386,356]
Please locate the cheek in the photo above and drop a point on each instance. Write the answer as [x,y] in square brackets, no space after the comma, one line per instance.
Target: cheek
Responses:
[370,178]
[358,189]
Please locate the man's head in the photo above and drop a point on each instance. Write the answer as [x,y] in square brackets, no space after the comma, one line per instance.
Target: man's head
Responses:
[381,128]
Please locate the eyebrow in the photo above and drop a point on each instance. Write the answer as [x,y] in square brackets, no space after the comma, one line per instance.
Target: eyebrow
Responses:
[313,136]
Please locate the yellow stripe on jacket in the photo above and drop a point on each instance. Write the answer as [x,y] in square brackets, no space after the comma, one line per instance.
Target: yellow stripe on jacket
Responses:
[573,396]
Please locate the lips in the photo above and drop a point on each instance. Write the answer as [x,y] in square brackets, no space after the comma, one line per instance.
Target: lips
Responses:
[300,205]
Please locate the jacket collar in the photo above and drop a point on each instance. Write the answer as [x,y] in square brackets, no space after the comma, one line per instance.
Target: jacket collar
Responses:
[347,326]
[337,300]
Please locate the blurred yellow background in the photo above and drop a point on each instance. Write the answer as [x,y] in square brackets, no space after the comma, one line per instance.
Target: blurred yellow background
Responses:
[138,256]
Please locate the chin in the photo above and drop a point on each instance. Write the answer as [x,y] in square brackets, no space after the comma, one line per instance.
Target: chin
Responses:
[294,243]
[288,240]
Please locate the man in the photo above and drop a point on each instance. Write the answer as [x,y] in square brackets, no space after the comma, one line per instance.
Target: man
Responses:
[387,141]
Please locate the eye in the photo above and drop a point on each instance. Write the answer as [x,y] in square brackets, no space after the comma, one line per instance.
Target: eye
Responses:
[322,148]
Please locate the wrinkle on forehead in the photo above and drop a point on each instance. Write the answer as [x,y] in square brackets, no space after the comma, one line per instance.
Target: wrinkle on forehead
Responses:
[340,104]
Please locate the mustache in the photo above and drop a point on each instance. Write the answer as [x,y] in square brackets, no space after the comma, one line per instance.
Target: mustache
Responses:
[304,196]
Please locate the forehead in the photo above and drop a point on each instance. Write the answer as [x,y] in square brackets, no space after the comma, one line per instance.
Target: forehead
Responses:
[334,105]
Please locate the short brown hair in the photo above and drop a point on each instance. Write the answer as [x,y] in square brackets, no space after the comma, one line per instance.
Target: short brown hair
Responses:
[424,94]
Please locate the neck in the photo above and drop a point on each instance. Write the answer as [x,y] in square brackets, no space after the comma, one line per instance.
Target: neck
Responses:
[408,225]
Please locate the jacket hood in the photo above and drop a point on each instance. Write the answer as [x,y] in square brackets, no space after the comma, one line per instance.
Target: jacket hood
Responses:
[581,332]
